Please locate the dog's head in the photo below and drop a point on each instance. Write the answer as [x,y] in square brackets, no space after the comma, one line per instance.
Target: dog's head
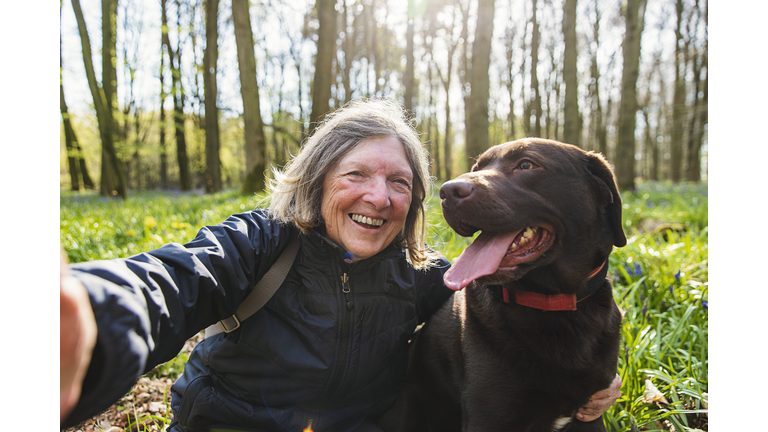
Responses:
[549,213]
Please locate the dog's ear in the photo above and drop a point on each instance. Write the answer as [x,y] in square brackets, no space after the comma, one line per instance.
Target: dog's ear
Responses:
[606,183]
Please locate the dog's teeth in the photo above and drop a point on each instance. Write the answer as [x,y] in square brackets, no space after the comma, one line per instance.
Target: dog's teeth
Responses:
[523,241]
[528,233]
[514,245]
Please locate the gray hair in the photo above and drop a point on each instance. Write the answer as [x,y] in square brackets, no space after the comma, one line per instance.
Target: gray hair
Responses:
[297,191]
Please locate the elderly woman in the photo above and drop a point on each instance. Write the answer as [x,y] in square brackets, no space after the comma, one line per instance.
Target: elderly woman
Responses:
[329,348]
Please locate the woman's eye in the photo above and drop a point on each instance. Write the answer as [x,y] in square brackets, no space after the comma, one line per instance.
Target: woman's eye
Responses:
[403,182]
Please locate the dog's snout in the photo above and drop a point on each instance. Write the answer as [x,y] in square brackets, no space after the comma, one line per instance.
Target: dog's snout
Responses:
[456,190]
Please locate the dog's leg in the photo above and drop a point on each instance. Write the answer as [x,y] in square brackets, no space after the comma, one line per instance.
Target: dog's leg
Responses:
[406,414]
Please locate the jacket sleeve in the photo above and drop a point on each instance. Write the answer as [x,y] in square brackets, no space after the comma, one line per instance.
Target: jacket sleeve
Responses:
[148,305]
[432,292]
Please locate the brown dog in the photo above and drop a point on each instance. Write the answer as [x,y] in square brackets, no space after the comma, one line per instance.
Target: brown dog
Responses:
[536,331]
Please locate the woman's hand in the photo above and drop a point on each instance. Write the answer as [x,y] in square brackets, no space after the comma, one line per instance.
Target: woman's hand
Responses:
[78,337]
[600,402]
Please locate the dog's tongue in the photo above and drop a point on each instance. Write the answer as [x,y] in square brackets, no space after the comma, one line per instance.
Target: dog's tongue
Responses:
[481,258]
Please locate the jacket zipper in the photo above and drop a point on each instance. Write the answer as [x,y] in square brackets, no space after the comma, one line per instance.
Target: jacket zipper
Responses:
[346,312]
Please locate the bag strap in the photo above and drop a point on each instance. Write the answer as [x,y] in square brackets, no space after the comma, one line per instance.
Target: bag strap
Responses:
[262,292]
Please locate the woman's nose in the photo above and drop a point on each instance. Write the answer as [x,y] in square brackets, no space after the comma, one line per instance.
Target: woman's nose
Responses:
[378,193]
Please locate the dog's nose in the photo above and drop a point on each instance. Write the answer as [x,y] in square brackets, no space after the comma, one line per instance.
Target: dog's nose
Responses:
[456,189]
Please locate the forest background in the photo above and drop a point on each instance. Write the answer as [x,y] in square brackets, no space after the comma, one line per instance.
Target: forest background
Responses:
[28,83]
[227,90]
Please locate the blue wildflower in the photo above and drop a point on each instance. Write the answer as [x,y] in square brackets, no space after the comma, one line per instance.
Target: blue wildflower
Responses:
[705,304]
[677,276]
[671,291]
[638,270]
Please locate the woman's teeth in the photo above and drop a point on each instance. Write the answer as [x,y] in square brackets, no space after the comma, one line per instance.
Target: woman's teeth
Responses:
[366,220]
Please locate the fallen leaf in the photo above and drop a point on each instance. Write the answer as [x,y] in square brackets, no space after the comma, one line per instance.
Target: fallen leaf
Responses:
[652,394]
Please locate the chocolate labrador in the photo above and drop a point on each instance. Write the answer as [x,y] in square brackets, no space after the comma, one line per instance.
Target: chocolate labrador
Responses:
[536,331]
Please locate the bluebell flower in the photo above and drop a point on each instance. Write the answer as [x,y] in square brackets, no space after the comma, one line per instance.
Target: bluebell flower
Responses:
[628,269]
[638,270]
[705,304]
[677,276]
[671,291]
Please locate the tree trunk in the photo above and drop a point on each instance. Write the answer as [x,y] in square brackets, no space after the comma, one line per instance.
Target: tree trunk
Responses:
[625,148]
[349,53]
[185,181]
[103,115]
[536,107]
[678,100]
[78,173]
[109,86]
[447,162]
[570,75]
[695,132]
[70,141]
[210,57]
[255,143]
[703,120]
[510,41]
[326,50]
[408,78]
[477,138]
[597,124]
[163,95]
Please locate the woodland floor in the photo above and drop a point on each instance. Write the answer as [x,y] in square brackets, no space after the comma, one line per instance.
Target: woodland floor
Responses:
[149,396]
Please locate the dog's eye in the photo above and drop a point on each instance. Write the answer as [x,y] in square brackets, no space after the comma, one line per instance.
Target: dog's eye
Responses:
[527,165]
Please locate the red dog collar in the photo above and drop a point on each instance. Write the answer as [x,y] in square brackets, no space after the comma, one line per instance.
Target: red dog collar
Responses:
[559,302]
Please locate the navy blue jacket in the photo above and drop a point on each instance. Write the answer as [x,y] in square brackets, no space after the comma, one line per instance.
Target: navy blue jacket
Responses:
[313,352]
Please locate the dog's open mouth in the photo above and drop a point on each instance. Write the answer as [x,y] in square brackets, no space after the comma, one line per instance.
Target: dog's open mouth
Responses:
[490,253]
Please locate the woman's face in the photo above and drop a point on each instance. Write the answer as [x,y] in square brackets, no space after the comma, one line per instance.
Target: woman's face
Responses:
[367,196]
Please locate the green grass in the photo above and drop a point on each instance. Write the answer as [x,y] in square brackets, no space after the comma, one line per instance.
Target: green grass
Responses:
[660,283]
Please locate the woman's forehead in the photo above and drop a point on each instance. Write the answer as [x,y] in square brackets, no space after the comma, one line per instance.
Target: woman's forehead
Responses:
[376,153]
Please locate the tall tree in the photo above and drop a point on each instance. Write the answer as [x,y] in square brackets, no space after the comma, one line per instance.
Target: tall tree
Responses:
[78,173]
[103,115]
[408,77]
[348,50]
[477,138]
[326,50]
[511,72]
[163,95]
[634,18]
[445,79]
[255,143]
[109,84]
[570,75]
[699,104]
[210,57]
[177,89]
[598,131]
[678,99]
[536,101]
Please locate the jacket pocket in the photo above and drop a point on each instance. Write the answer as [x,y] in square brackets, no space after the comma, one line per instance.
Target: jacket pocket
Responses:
[188,400]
